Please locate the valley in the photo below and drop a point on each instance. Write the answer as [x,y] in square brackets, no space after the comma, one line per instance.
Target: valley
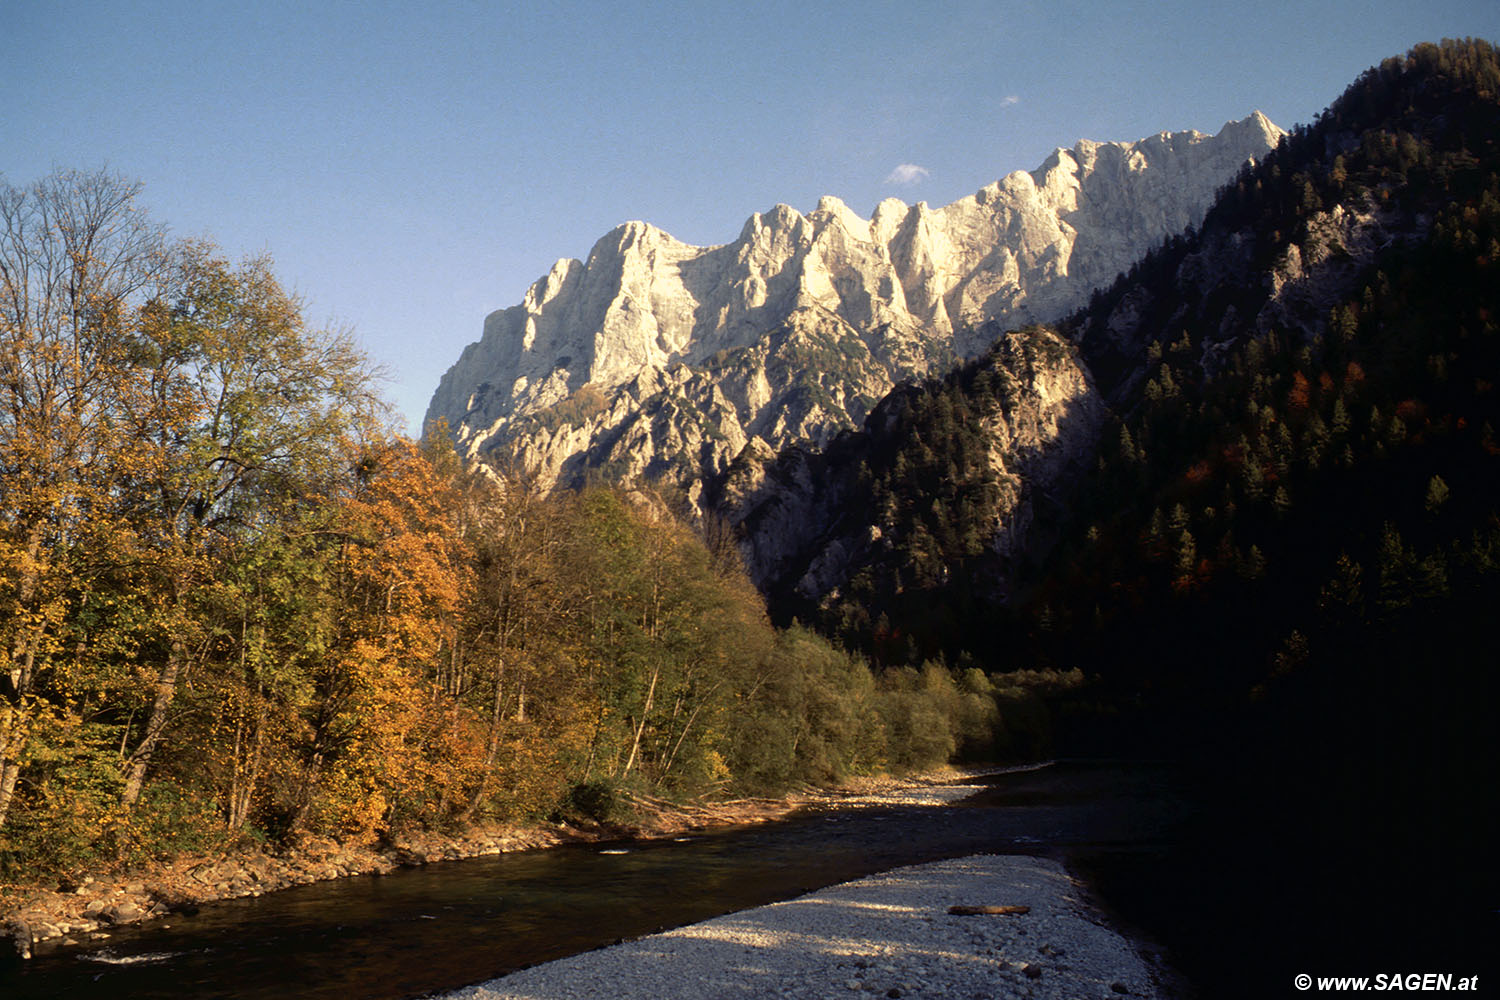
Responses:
[1173,459]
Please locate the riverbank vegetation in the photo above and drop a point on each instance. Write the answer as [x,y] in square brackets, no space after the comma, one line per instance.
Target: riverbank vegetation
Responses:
[237,608]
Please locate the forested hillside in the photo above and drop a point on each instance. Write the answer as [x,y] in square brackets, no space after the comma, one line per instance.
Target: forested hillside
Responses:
[1291,550]
[1333,475]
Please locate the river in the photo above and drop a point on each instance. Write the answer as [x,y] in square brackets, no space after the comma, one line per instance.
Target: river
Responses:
[423,930]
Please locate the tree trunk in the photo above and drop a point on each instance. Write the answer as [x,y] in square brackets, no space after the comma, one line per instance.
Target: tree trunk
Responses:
[161,704]
[13,732]
[692,717]
[497,715]
[247,768]
[492,746]
[9,771]
[640,728]
[16,685]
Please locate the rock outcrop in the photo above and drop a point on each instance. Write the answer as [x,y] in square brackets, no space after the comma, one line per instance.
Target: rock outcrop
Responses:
[656,358]
[807,523]
[1291,292]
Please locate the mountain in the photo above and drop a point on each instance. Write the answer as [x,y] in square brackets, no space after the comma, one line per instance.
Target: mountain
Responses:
[657,358]
[1167,435]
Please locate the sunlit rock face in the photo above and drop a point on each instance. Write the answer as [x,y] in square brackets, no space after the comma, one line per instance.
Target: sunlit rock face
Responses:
[655,359]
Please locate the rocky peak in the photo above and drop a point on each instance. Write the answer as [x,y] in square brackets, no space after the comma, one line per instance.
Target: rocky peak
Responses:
[792,331]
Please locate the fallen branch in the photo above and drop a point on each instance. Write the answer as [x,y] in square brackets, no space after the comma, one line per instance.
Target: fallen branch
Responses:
[975,911]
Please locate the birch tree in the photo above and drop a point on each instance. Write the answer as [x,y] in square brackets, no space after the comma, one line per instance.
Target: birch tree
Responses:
[76,253]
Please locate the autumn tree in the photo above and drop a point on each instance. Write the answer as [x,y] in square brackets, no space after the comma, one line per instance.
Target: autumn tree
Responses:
[512,661]
[76,252]
[244,415]
[396,571]
[167,420]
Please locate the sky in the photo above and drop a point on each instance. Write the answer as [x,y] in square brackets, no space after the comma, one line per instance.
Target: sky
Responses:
[413,167]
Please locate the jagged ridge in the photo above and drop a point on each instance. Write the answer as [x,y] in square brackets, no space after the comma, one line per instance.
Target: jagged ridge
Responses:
[655,355]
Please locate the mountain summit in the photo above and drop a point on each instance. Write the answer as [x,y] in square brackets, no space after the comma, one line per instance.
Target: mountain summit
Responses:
[655,357]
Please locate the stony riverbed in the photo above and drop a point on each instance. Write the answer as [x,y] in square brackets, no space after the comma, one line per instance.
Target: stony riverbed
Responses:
[888,935]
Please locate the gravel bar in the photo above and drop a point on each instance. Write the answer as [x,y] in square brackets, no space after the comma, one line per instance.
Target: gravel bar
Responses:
[889,935]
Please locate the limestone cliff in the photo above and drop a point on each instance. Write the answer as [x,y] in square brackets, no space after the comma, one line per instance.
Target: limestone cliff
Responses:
[654,357]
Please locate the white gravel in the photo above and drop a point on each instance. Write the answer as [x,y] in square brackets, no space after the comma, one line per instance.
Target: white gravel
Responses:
[889,935]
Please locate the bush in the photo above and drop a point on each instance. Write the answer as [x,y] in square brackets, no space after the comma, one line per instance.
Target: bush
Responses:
[172,820]
[597,801]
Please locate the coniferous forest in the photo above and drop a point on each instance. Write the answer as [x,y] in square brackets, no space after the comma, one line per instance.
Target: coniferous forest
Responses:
[236,607]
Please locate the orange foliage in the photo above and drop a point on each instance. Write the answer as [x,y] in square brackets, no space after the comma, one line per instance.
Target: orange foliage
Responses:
[1301,392]
[402,549]
[1199,472]
[403,572]
[1411,410]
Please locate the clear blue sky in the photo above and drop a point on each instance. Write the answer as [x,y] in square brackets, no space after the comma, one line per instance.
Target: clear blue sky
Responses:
[412,167]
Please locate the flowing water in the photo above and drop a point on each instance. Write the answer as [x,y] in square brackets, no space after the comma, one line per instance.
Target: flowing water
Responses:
[448,925]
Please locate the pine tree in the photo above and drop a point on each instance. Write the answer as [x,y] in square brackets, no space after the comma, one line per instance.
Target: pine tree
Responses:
[1437,494]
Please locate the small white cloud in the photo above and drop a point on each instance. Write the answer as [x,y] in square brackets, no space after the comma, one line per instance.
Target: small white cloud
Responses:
[907,173]
[1009,100]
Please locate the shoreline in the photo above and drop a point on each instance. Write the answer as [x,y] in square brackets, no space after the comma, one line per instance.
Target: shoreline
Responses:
[982,925]
[86,911]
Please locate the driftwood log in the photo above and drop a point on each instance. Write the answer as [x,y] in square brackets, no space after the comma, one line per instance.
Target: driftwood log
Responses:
[975,911]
